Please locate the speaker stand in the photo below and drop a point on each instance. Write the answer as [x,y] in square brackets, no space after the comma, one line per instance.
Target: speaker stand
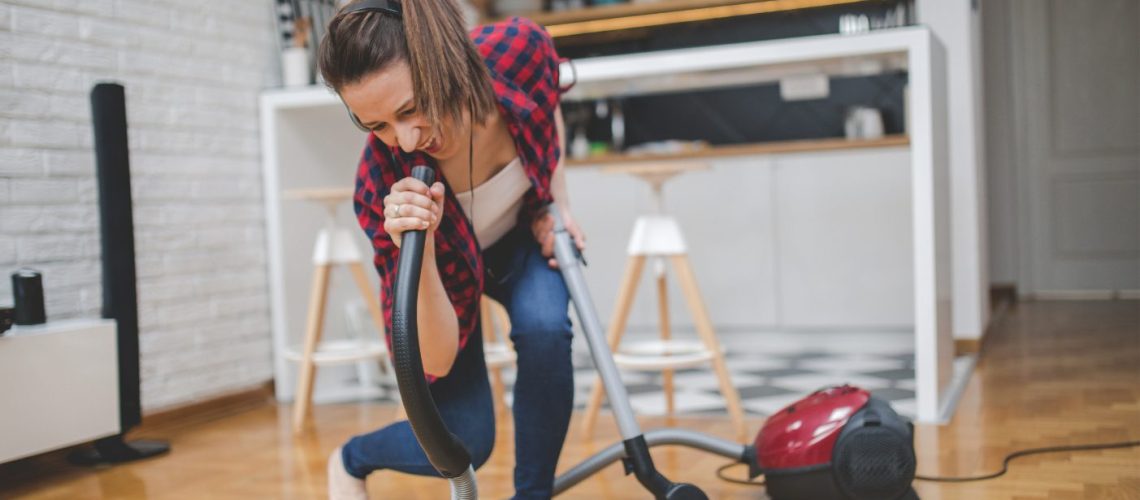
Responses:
[114,450]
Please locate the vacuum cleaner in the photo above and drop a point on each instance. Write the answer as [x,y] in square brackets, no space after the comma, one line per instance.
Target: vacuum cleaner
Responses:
[839,443]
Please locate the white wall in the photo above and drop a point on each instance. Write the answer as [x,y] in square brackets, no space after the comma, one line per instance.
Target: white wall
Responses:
[1001,176]
[192,71]
[957,26]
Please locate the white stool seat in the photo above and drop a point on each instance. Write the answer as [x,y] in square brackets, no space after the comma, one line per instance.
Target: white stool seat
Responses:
[658,363]
[340,352]
[656,355]
[498,354]
[656,235]
[663,347]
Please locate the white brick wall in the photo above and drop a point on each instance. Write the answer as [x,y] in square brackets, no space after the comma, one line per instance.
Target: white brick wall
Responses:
[192,72]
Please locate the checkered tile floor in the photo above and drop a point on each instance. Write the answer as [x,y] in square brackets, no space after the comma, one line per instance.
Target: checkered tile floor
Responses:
[769,370]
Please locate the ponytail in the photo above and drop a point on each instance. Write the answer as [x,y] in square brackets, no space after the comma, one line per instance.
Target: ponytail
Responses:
[448,73]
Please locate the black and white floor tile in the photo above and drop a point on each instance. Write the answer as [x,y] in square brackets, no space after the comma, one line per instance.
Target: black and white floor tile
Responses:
[770,370]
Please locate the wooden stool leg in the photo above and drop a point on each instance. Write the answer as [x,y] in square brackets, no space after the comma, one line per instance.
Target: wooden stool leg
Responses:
[504,318]
[302,399]
[489,336]
[487,319]
[626,294]
[663,318]
[705,329]
[498,392]
[371,298]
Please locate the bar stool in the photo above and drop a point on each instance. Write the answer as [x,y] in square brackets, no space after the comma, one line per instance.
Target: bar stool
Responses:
[657,237]
[334,246]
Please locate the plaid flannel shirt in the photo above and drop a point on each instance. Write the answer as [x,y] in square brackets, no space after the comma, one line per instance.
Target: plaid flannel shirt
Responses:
[524,69]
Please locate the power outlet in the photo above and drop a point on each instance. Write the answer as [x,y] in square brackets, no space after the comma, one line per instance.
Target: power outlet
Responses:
[805,87]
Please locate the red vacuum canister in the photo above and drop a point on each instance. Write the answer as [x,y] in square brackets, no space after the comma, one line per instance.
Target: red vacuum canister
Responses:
[837,443]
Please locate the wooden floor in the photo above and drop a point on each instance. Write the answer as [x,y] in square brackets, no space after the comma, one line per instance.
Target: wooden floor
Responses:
[1052,373]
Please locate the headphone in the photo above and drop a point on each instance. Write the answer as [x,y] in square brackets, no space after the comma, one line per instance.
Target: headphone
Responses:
[390,7]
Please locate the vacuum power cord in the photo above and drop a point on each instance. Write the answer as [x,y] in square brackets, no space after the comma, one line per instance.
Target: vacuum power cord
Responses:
[720,473]
[1031,451]
[1004,464]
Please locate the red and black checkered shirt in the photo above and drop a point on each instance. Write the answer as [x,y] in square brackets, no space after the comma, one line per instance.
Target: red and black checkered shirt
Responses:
[524,69]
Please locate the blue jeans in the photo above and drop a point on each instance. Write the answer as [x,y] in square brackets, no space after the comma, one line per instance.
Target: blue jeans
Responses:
[537,301]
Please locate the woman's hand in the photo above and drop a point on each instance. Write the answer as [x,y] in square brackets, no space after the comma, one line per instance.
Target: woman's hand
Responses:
[543,229]
[411,206]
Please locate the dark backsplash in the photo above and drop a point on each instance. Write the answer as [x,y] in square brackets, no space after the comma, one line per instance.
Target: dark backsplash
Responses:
[747,114]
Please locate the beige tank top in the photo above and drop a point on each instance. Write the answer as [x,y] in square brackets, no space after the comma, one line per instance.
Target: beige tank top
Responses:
[497,202]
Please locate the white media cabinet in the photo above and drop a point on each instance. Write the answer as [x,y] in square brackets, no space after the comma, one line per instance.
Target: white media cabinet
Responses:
[59,386]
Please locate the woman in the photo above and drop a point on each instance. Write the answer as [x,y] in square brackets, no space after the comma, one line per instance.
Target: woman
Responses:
[482,109]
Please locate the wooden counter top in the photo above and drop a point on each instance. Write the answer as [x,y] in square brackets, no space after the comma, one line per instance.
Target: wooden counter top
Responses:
[761,148]
[642,15]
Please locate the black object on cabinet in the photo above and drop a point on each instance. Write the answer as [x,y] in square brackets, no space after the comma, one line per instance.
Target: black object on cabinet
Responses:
[28,295]
[120,301]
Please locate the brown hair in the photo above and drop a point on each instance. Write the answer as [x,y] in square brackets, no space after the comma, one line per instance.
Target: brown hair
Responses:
[448,73]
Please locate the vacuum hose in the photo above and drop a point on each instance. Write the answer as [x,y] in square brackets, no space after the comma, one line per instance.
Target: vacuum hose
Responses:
[444,450]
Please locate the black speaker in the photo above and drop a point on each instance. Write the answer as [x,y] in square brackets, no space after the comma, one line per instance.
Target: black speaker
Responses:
[120,301]
[28,295]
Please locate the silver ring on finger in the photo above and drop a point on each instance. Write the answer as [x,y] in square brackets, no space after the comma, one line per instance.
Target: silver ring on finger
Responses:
[395,210]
